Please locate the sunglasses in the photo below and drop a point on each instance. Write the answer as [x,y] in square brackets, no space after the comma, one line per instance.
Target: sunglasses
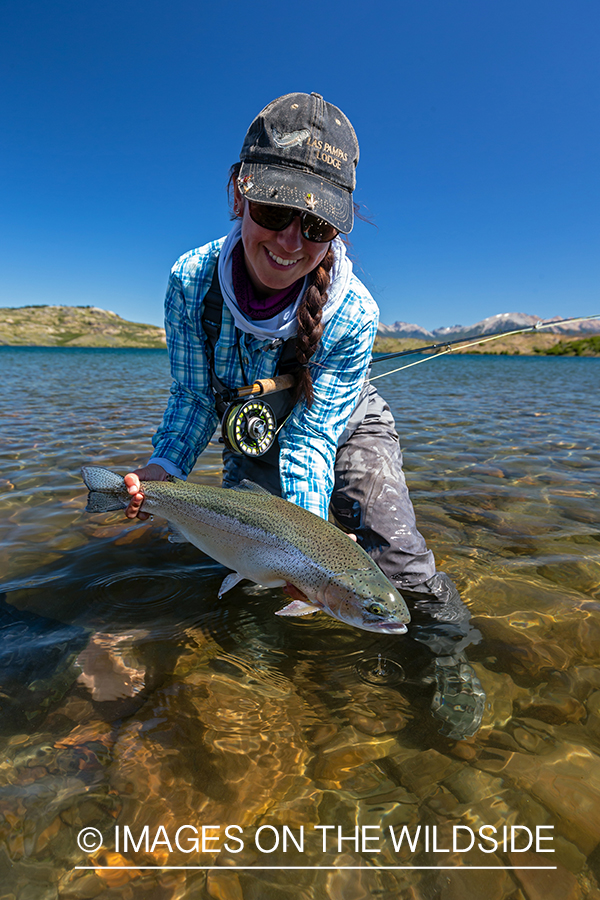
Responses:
[276,218]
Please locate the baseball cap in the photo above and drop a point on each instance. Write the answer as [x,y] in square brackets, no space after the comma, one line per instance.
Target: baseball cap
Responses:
[301,151]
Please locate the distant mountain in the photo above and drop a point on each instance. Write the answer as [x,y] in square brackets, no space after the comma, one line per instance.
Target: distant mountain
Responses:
[403,330]
[74,326]
[500,322]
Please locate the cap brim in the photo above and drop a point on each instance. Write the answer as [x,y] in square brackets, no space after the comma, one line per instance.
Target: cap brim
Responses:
[286,186]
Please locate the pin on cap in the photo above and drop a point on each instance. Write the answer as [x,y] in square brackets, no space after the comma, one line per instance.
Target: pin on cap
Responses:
[301,151]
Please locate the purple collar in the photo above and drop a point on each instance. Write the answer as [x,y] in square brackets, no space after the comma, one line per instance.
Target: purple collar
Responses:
[258,307]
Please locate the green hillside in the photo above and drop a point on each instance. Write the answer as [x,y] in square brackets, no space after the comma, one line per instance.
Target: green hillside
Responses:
[74,326]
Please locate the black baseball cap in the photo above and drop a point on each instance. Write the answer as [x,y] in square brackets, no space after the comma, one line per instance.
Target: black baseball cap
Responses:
[301,151]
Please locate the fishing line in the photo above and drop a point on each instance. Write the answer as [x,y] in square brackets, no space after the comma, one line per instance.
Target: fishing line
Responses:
[450,348]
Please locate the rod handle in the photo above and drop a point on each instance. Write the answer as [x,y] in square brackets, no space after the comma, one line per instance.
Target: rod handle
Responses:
[267,386]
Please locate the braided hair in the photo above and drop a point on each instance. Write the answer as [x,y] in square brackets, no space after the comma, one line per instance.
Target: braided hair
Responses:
[310,329]
[310,311]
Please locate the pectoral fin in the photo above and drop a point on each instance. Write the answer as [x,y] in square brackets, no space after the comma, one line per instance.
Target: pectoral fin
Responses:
[298,608]
[230,581]
[176,536]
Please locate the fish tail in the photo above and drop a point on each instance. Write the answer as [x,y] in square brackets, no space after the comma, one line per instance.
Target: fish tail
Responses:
[107,489]
[97,478]
[101,503]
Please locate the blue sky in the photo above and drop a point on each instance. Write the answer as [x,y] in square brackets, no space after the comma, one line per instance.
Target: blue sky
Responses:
[478,125]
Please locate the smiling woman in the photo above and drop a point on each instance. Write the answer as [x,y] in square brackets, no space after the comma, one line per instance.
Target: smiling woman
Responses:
[278,296]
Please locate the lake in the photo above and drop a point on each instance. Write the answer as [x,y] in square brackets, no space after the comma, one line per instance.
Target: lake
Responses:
[156,742]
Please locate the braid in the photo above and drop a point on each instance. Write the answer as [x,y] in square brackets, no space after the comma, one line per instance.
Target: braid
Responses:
[310,329]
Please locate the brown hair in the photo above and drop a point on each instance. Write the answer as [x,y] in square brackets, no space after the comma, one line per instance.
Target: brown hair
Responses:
[309,315]
[310,311]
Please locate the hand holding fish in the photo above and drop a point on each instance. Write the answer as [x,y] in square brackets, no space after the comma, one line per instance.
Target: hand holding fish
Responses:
[153,472]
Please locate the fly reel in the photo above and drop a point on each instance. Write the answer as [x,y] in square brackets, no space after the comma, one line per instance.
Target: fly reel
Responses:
[249,427]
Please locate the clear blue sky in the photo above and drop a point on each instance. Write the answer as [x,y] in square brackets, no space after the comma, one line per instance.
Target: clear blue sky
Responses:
[478,124]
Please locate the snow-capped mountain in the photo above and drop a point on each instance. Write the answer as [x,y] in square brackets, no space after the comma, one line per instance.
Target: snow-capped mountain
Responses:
[403,329]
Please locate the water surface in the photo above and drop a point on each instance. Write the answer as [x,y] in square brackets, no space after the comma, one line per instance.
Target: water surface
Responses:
[131,696]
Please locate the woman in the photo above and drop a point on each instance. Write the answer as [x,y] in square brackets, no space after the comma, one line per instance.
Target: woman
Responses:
[277,295]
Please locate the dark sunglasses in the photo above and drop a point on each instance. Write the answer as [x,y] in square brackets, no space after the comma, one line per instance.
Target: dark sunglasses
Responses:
[276,218]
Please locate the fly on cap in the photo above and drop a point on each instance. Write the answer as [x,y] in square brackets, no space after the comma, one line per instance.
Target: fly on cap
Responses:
[301,151]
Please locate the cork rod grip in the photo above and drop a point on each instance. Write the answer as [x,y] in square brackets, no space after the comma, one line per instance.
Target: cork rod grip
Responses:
[267,386]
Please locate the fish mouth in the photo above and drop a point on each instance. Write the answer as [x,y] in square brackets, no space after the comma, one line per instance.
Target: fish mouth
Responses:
[387,627]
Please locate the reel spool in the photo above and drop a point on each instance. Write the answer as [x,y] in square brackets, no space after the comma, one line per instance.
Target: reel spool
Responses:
[249,427]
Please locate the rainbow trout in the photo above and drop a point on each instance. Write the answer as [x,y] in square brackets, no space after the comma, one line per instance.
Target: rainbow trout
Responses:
[269,541]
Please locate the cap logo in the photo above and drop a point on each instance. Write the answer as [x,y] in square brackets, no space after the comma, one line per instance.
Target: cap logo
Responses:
[289,139]
[328,153]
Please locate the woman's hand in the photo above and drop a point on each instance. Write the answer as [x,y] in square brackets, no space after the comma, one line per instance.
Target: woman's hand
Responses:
[153,472]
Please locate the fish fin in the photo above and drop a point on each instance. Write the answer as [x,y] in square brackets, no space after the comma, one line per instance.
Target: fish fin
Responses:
[229,582]
[176,536]
[298,608]
[250,487]
[97,478]
[99,502]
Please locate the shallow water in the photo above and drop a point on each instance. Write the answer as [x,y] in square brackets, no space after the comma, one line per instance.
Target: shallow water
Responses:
[131,696]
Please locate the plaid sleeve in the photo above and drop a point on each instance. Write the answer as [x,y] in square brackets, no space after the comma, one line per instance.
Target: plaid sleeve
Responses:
[190,418]
[309,438]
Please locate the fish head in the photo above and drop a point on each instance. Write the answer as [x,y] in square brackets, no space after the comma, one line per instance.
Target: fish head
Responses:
[366,599]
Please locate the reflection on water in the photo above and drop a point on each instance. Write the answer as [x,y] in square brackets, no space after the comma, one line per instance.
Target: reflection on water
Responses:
[132,697]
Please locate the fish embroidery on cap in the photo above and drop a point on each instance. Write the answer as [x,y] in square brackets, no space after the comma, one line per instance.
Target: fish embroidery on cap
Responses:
[289,139]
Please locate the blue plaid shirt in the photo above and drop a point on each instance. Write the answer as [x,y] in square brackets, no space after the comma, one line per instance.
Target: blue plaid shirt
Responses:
[308,440]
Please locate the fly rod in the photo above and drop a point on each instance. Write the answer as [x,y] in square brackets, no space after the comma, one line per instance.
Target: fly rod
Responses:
[249,425]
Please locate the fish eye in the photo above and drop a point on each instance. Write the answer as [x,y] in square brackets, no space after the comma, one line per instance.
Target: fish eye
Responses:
[377,609]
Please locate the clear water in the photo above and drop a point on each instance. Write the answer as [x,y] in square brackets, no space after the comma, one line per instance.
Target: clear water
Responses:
[130,696]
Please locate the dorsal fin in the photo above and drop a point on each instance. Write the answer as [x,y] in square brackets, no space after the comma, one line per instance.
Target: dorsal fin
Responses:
[251,487]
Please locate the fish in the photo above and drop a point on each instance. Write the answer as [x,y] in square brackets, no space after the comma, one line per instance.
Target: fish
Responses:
[270,541]
[290,138]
